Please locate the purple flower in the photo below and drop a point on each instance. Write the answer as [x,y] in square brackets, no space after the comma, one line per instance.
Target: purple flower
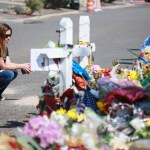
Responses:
[34,125]
[47,131]
[51,134]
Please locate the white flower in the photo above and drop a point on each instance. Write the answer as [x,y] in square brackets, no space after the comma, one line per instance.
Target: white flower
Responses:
[77,130]
[90,142]
[60,119]
[92,120]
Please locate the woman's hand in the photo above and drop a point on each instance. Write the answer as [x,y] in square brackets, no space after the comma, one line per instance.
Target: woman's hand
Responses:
[26,68]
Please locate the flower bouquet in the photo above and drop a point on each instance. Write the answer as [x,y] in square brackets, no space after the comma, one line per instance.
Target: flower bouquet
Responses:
[64,130]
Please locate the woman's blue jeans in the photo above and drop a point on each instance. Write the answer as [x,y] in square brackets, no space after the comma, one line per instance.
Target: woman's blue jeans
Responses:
[6,76]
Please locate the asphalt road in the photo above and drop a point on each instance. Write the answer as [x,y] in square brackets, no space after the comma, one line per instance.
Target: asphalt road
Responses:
[112,30]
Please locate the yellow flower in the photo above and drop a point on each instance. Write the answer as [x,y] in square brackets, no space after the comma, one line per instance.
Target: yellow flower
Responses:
[131,74]
[148,122]
[72,114]
[61,111]
[102,107]
[80,117]
[134,75]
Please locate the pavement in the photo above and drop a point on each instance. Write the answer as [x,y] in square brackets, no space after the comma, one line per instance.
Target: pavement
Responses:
[47,13]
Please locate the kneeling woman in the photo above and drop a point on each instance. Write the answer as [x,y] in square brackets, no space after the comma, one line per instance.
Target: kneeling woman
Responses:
[8,69]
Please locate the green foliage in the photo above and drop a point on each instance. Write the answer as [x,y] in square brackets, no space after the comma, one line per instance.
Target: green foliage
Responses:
[144,133]
[54,4]
[28,143]
[34,5]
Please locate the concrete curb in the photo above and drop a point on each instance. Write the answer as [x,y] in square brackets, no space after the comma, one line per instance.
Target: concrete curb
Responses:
[120,6]
[37,18]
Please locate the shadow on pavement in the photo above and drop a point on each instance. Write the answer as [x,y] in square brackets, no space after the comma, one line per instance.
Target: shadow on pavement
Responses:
[10,99]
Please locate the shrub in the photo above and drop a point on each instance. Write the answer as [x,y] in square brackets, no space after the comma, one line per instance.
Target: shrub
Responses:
[34,5]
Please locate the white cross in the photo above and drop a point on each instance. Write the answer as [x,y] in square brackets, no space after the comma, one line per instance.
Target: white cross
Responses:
[42,59]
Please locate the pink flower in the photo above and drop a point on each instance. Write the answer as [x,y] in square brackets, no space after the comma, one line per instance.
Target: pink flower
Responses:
[48,132]
[33,126]
[51,134]
[95,68]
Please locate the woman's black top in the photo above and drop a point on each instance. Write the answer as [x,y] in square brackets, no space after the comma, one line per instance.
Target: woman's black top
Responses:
[7,54]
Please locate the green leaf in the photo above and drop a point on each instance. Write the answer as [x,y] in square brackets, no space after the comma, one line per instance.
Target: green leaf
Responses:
[28,143]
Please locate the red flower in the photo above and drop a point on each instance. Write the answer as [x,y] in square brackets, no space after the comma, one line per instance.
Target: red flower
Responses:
[15,145]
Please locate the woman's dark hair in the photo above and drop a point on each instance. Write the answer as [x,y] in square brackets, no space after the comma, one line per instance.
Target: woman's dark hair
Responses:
[7,27]
[3,29]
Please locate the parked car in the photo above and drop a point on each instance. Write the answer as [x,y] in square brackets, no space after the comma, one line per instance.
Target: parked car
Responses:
[74,4]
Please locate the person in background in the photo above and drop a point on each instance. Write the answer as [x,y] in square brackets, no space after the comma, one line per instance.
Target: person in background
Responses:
[8,69]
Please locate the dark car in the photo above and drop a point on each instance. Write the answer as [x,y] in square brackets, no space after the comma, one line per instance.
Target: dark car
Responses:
[74,4]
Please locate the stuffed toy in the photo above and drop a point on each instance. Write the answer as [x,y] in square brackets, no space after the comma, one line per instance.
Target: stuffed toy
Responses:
[67,98]
[48,98]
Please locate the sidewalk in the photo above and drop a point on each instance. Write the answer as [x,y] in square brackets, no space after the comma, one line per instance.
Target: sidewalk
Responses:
[47,13]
